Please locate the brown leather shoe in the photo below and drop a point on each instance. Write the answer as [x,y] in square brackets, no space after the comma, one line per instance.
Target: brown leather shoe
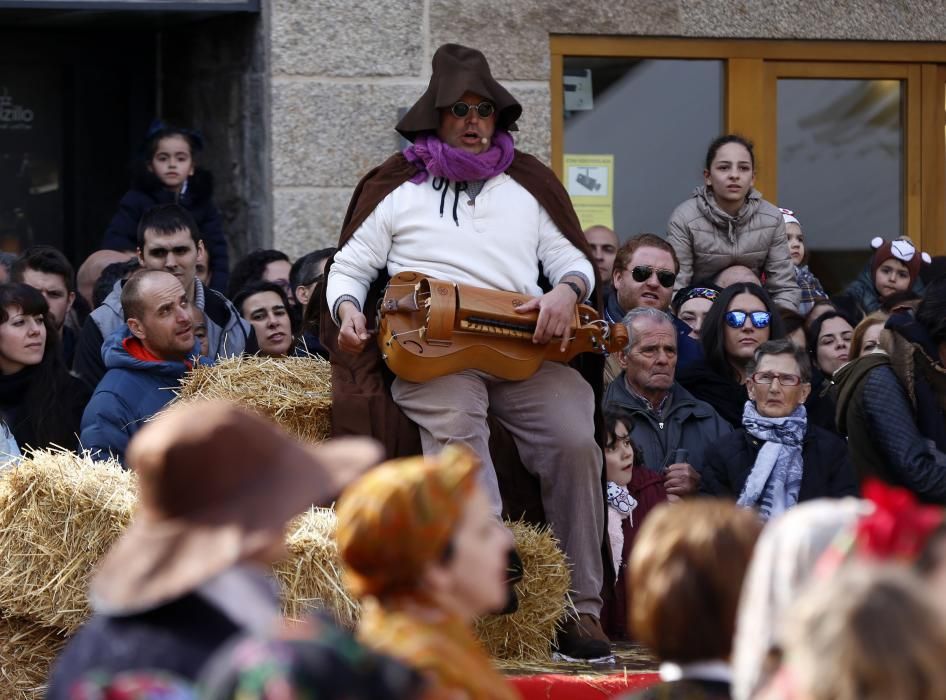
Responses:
[583,638]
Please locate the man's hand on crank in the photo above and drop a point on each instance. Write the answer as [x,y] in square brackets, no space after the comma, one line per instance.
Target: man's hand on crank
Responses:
[353,333]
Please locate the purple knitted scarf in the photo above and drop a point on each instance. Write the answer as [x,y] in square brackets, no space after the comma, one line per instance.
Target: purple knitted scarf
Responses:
[432,156]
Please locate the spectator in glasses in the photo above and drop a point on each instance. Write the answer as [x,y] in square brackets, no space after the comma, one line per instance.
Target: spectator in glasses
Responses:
[726,222]
[645,269]
[742,318]
[777,458]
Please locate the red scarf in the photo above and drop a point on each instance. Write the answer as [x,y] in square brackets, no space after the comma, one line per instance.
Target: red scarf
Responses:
[134,347]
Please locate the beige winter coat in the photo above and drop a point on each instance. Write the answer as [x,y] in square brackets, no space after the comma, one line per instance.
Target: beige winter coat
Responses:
[707,240]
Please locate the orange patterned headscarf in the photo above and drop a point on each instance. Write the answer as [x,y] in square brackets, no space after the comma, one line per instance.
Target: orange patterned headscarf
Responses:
[400,517]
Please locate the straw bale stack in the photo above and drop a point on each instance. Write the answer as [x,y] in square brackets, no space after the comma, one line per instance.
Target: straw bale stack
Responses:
[59,514]
[295,392]
[527,634]
[311,577]
[27,650]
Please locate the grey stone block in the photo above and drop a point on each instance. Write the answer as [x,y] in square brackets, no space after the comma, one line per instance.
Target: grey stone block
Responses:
[330,134]
[915,20]
[514,34]
[534,135]
[347,37]
[308,219]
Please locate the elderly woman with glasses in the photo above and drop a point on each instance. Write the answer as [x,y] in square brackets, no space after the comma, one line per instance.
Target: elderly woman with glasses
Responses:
[777,458]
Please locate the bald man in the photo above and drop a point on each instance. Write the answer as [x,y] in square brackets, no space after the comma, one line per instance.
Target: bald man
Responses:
[604,246]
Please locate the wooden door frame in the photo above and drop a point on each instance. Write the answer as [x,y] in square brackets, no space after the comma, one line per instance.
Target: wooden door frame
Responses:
[752,68]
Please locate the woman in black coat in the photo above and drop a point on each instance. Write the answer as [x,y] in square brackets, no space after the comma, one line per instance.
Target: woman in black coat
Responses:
[777,458]
[39,400]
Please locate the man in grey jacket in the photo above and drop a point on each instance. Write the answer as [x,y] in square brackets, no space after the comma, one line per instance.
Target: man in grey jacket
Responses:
[168,240]
[671,427]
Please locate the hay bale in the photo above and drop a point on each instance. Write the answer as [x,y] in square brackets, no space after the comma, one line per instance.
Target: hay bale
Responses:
[60,512]
[311,577]
[295,392]
[27,651]
[527,634]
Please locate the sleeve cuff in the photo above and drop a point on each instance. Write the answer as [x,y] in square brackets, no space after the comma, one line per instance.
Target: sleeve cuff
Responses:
[338,302]
[585,281]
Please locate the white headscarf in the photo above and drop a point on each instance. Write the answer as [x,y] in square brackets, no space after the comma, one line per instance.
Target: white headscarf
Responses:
[782,562]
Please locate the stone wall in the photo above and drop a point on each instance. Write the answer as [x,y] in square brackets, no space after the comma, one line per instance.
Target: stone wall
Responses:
[214,75]
[341,70]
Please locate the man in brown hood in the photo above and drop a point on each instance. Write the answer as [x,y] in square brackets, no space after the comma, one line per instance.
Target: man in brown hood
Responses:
[461,204]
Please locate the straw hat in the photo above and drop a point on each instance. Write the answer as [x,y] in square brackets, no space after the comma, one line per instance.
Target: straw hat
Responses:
[216,486]
[457,69]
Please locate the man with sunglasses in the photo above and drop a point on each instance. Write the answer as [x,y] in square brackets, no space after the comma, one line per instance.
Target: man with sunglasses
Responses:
[645,269]
[461,204]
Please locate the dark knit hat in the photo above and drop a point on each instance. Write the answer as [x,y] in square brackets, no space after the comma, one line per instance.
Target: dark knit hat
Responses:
[456,70]
[902,249]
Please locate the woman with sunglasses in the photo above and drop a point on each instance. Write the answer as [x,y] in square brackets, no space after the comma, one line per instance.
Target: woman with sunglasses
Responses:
[777,458]
[726,222]
[742,318]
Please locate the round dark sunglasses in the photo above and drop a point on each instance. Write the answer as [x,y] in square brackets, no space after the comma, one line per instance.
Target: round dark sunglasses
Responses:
[642,273]
[737,319]
[461,109]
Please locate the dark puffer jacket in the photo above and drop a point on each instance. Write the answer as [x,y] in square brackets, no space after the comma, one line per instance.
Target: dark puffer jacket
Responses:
[826,473]
[884,439]
[146,192]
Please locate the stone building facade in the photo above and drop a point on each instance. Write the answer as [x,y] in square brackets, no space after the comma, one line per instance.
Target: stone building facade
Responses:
[340,71]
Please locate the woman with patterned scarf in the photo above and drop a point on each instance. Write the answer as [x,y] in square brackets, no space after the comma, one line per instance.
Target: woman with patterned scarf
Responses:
[778,459]
[424,553]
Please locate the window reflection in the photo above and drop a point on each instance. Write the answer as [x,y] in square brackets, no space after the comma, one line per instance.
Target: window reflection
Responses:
[840,167]
[656,117]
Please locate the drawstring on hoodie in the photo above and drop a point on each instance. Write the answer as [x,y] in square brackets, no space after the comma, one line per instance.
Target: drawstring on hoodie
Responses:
[444,184]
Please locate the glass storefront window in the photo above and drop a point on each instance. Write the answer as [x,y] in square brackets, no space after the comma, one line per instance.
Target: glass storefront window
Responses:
[841,167]
[656,118]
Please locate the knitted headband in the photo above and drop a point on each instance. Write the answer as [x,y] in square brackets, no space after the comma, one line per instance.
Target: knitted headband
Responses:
[902,249]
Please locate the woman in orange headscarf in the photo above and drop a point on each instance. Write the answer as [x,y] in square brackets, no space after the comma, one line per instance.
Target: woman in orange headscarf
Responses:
[423,551]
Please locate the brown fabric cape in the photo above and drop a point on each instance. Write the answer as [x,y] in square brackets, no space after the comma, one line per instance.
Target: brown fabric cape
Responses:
[361,396]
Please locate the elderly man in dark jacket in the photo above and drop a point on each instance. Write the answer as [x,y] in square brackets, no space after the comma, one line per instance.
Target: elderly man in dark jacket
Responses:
[672,428]
[891,404]
[778,458]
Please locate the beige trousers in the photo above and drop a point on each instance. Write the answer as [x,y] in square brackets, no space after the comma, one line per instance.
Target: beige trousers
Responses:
[550,415]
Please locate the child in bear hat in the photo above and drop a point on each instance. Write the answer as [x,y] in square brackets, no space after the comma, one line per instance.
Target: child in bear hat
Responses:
[894,267]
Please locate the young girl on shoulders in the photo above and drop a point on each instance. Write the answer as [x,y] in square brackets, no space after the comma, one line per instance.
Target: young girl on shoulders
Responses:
[168,172]
[726,222]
